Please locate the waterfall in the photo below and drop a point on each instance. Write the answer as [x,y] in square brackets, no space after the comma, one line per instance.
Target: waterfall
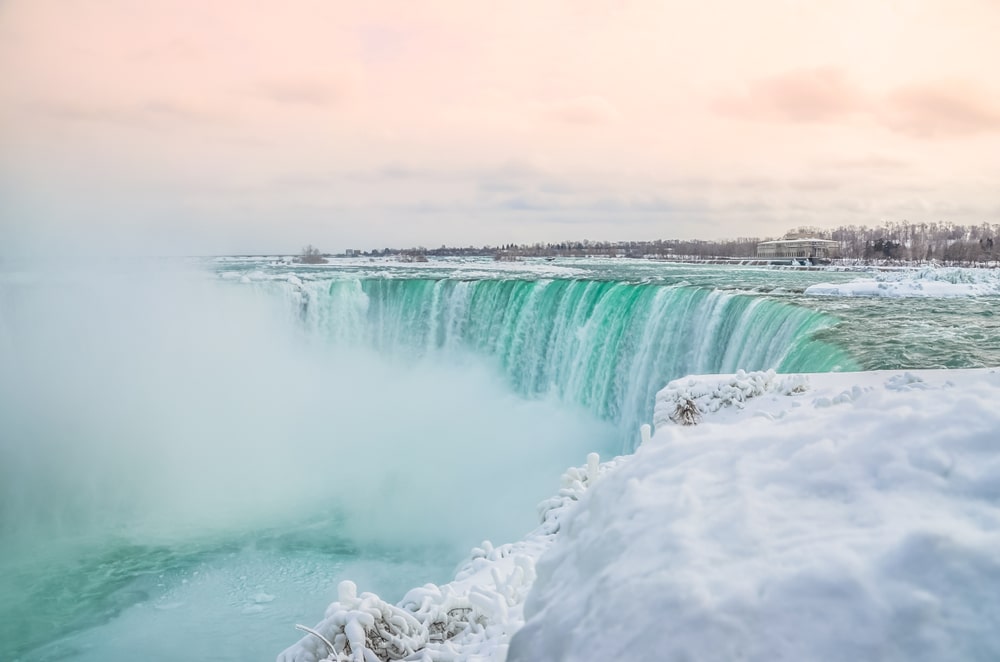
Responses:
[164,436]
[605,345]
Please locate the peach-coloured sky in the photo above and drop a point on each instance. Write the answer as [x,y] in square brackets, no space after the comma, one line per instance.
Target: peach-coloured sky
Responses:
[231,126]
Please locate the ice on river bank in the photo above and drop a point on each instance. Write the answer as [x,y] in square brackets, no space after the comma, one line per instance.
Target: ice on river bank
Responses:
[926,282]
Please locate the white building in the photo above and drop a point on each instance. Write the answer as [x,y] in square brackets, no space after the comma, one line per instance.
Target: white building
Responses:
[809,249]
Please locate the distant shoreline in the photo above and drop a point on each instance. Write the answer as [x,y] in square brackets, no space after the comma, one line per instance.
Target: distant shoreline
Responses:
[406,257]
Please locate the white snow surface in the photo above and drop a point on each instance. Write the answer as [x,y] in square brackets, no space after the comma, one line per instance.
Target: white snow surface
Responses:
[856,517]
[845,516]
[944,282]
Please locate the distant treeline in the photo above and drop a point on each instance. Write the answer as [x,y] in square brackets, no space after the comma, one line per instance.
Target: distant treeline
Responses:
[944,242]
[891,241]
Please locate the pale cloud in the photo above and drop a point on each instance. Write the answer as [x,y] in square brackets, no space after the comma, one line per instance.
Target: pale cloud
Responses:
[153,114]
[810,184]
[518,177]
[445,121]
[823,94]
[383,44]
[304,92]
[585,110]
[875,162]
[925,110]
[944,109]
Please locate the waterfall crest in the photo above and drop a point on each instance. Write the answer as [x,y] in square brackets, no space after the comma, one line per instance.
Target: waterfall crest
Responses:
[605,345]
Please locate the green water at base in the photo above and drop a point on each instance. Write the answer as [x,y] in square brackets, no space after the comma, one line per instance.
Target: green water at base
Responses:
[605,345]
[80,600]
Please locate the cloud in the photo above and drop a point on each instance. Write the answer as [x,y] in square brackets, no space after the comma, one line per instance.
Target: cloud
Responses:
[382,43]
[584,110]
[303,92]
[823,94]
[815,184]
[400,171]
[513,177]
[927,110]
[875,162]
[173,50]
[152,114]
[944,109]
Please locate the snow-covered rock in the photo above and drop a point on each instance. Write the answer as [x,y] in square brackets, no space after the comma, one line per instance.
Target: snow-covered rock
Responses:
[684,401]
[858,520]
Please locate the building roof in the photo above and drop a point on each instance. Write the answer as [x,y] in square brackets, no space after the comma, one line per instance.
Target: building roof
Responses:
[798,241]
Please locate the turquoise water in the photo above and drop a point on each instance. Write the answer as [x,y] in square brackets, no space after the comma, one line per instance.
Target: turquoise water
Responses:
[192,460]
[873,334]
[222,597]
[605,345]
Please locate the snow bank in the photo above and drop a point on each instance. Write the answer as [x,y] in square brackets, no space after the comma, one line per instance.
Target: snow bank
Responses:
[854,516]
[926,282]
[471,618]
[830,517]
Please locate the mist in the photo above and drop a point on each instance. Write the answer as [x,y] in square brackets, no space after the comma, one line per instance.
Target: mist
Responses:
[152,401]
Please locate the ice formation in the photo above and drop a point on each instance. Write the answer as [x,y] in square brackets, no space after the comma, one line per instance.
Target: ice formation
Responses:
[685,401]
[926,282]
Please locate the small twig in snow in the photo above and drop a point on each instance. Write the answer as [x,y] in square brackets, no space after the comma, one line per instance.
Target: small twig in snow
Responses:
[317,634]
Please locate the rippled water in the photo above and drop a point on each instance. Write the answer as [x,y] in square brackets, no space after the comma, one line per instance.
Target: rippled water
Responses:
[878,333]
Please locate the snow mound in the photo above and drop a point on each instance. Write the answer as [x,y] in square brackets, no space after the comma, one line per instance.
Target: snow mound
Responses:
[789,529]
[685,401]
[925,282]
[471,618]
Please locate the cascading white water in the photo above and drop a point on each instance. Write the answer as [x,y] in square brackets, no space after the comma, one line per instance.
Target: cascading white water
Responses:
[605,345]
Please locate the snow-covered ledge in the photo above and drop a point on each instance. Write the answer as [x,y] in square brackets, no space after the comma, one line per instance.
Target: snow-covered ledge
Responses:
[829,517]
[852,516]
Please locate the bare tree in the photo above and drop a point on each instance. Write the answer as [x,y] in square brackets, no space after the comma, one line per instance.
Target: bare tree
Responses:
[311,255]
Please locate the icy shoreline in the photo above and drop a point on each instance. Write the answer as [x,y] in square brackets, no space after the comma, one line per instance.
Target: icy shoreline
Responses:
[926,282]
[828,516]
[470,618]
